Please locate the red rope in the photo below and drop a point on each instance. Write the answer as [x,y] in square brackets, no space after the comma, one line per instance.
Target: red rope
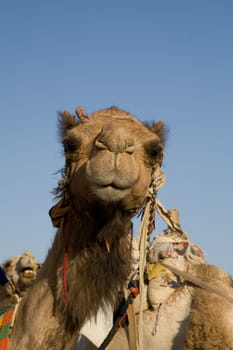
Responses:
[66,257]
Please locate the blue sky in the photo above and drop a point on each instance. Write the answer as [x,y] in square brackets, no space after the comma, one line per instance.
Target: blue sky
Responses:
[160,60]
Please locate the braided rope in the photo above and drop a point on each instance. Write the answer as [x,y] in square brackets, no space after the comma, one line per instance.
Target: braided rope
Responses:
[146,228]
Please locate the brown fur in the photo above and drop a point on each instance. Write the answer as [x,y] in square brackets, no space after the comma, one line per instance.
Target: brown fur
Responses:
[104,273]
[211,318]
[109,157]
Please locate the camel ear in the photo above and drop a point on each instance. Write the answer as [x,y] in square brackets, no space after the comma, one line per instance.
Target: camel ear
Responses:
[159,129]
[66,122]
[7,264]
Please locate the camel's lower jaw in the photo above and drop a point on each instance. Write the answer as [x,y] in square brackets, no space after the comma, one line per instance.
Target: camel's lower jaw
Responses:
[111,194]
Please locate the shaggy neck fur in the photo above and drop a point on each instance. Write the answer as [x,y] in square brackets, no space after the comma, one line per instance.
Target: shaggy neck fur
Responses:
[95,275]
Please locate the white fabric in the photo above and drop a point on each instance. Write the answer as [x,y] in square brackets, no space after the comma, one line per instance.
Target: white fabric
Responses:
[97,328]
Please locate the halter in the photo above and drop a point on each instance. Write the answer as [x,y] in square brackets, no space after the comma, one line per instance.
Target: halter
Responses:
[146,228]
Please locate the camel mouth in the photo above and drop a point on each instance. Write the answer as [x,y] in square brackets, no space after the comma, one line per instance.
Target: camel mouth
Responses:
[111,193]
[27,268]
[28,272]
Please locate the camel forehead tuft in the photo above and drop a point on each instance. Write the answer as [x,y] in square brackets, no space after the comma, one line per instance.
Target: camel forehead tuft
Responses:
[114,113]
[99,120]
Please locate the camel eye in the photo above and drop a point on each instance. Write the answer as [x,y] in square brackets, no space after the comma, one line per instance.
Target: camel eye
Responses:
[153,149]
[70,146]
[7,265]
[153,152]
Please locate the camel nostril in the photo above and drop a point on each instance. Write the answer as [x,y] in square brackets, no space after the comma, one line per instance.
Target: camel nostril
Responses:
[100,145]
[130,149]
[120,147]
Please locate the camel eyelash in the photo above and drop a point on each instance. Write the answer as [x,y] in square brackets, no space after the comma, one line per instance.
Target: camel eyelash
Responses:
[153,149]
[70,145]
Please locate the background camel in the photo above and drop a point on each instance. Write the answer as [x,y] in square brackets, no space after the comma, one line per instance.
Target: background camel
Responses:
[109,157]
[22,271]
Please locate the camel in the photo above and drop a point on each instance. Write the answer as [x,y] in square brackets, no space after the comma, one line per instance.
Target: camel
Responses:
[21,272]
[191,319]
[110,157]
[177,314]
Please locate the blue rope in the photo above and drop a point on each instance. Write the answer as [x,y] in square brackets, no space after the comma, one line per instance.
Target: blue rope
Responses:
[3,279]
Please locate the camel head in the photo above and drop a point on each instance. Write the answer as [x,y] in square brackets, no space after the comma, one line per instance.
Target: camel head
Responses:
[22,270]
[109,158]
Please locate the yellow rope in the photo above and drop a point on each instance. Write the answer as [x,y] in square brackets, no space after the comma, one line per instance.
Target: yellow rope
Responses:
[167,218]
[142,238]
[158,180]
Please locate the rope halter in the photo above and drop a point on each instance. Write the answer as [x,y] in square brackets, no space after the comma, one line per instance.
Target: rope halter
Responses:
[146,228]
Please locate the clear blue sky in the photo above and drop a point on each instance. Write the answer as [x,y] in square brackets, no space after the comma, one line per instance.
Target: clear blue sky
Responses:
[168,60]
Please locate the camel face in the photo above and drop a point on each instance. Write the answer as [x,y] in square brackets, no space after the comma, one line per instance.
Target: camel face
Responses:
[110,155]
[22,270]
